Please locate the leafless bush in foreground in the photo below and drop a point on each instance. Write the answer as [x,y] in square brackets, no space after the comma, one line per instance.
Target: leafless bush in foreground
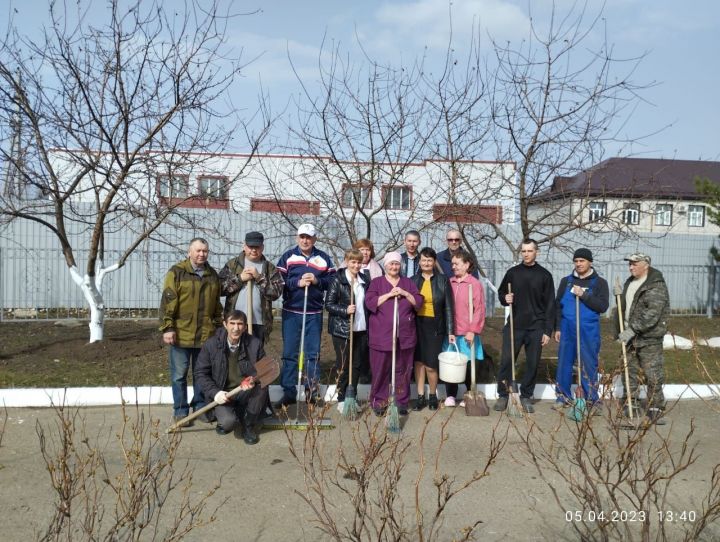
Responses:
[147,498]
[616,479]
[354,489]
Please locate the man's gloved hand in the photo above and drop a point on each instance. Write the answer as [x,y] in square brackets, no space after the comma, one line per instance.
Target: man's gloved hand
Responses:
[626,335]
[221,397]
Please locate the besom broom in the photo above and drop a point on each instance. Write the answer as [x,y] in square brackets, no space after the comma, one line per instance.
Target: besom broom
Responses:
[393,416]
[350,406]
[579,407]
[514,408]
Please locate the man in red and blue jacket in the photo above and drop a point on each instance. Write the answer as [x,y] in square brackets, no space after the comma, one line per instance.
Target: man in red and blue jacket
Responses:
[301,267]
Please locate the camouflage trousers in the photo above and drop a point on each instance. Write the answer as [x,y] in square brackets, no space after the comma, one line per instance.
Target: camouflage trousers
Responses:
[650,359]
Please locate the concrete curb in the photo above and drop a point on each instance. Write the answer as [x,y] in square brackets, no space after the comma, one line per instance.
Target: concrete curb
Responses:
[156,395]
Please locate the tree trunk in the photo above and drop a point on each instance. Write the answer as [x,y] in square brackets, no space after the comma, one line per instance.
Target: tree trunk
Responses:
[91,287]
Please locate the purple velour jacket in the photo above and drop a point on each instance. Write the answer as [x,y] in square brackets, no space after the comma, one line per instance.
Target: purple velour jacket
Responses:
[380,324]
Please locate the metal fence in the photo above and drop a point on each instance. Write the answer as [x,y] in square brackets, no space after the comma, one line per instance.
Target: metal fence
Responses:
[36,284]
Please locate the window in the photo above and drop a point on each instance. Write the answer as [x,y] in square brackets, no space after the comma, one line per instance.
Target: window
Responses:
[663,214]
[696,216]
[209,192]
[398,197]
[175,186]
[212,187]
[631,213]
[356,195]
[598,209]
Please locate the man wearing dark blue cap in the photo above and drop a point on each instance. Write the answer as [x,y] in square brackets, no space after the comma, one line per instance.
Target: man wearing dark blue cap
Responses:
[251,279]
[585,285]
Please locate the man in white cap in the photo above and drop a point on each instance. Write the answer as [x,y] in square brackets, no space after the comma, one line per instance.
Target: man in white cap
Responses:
[646,307]
[301,267]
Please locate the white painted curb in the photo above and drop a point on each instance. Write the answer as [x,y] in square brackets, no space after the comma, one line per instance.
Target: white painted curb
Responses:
[158,395]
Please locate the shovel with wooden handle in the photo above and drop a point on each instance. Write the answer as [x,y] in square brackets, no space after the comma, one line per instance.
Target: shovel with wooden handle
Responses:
[617,290]
[267,371]
[475,402]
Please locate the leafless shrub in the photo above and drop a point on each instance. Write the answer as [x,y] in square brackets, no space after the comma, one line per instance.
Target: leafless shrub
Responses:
[354,489]
[615,479]
[147,498]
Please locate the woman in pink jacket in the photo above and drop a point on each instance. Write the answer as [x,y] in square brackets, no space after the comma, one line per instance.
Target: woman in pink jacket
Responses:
[467,330]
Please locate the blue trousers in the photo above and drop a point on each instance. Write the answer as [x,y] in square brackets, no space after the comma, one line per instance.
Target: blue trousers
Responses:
[291,326]
[180,363]
[567,358]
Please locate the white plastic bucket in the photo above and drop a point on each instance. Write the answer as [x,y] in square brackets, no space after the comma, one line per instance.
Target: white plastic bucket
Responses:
[453,366]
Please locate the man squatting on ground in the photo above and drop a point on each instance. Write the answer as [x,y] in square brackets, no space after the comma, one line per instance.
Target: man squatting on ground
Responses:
[252,270]
[646,305]
[592,290]
[410,259]
[190,311]
[227,360]
[302,266]
[533,304]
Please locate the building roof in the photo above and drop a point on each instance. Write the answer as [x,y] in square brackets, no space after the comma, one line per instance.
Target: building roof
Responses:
[635,178]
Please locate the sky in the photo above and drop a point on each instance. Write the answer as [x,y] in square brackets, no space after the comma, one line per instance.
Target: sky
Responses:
[677,117]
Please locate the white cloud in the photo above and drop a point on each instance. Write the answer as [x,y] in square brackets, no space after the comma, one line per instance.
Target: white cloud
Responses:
[410,26]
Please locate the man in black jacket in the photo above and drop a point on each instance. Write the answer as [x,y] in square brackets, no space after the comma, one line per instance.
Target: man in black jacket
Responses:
[533,304]
[226,361]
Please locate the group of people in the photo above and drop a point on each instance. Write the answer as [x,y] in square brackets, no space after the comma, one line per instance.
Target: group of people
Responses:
[402,314]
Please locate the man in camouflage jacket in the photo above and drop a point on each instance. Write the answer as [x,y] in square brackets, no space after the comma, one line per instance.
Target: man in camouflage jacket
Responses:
[190,312]
[252,269]
[646,307]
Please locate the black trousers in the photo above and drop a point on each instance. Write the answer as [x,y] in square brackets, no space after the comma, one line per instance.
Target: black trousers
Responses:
[360,357]
[245,408]
[531,340]
[452,388]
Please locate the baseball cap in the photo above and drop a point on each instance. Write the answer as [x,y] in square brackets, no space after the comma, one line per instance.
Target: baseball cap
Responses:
[638,257]
[306,229]
[254,239]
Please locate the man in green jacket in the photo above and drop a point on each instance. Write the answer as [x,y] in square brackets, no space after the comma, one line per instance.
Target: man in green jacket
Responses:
[646,307]
[190,312]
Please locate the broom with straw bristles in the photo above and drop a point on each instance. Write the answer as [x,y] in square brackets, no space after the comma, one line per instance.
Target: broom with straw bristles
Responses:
[350,406]
[393,416]
[514,408]
[579,408]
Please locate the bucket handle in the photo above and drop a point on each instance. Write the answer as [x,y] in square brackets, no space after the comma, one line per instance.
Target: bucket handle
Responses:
[457,351]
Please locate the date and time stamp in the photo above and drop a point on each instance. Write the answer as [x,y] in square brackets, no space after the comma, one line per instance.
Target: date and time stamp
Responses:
[630,516]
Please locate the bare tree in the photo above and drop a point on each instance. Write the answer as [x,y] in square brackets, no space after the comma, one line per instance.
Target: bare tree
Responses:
[556,101]
[361,134]
[541,109]
[112,119]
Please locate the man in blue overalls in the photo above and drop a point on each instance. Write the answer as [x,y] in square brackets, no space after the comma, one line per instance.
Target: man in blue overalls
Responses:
[592,290]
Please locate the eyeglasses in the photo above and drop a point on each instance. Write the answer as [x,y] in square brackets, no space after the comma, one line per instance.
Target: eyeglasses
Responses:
[454,240]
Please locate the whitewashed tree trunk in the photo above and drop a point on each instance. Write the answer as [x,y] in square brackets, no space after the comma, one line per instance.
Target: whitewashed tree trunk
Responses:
[92,290]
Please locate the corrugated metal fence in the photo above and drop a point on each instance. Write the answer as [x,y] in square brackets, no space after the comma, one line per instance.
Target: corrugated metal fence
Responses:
[36,284]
